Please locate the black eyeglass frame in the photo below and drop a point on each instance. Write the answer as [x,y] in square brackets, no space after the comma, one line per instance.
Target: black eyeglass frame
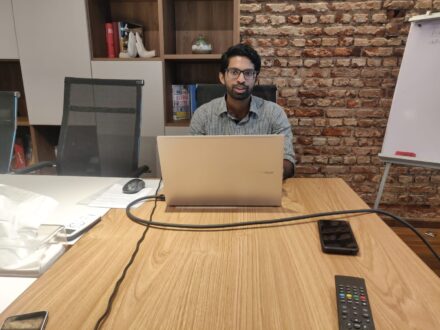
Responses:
[248,74]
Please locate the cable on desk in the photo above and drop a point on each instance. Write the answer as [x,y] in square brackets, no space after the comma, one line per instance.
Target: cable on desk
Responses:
[148,223]
[104,316]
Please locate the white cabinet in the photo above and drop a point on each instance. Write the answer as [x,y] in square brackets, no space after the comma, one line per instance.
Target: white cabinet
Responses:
[53,43]
[8,42]
[152,123]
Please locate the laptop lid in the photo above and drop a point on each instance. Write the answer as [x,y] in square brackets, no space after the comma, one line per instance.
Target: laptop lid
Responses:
[222,170]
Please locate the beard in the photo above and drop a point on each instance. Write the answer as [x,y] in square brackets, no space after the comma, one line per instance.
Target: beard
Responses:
[243,94]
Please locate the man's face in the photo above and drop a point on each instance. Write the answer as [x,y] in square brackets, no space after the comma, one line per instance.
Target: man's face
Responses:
[239,78]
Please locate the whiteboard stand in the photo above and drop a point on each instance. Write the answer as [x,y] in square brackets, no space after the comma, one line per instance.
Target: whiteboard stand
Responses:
[412,128]
[382,185]
[402,161]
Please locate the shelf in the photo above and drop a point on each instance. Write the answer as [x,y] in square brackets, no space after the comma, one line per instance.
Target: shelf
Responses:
[178,123]
[23,121]
[142,12]
[185,20]
[170,28]
[11,80]
[192,57]
[126,59]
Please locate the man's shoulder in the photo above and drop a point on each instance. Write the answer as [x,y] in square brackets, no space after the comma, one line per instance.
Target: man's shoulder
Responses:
[212,106]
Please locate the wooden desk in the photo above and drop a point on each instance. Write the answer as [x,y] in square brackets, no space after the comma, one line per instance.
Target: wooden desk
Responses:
[259,278]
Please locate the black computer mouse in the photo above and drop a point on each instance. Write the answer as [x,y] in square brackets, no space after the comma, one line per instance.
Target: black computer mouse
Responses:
[133,186]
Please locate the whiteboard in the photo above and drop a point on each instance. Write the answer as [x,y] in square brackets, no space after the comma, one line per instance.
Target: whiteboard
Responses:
[414,120]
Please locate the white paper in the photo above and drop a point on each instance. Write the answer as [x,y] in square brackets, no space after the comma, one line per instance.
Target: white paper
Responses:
[113,197]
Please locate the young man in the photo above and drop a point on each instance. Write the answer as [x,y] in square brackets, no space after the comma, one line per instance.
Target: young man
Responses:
[239,112]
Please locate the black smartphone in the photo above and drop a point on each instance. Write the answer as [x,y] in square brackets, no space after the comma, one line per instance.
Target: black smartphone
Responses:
[337,237]
[34,321]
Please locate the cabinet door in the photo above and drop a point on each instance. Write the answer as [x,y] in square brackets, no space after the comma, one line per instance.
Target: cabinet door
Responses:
[152,123]
[8,42]
[53,43]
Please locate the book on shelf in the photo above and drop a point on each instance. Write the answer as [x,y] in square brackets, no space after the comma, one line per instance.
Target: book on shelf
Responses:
[18,156]
[181,102]
[124,28]
[116,38]
[109,40]
[192,97]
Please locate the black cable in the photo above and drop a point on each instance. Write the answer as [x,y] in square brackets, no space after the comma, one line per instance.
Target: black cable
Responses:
[265,222]
[104,316]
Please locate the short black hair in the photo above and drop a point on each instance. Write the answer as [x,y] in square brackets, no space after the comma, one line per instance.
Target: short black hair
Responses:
[240,50]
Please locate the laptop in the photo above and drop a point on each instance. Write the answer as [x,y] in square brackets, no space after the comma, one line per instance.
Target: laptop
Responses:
[222,170]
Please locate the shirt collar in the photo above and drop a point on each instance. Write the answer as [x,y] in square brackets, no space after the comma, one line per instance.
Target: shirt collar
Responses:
[256,106]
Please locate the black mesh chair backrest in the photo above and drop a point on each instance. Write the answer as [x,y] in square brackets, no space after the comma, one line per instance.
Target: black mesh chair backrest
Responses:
[100,130]
[8,127]
[207,92]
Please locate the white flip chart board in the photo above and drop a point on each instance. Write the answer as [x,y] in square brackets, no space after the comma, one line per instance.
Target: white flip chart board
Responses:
[413,130]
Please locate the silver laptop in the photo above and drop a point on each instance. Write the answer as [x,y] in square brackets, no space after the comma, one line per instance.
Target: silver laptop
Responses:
[222,170]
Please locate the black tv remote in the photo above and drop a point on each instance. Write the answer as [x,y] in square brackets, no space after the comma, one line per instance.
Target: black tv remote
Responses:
[354,310]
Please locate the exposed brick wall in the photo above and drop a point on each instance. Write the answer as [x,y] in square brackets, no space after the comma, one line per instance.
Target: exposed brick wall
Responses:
[335,64]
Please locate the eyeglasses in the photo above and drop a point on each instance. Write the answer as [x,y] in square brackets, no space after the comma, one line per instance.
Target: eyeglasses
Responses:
[235,73]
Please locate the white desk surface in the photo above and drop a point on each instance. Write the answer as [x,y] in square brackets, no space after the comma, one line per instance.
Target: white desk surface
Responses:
[68,191]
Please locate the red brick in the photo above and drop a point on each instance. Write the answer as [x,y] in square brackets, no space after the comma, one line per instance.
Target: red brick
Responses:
[342,51]
[368,132]
[398,4]
[317,52]
[294,19]
[331,169]
[337,131]
[306,169]
[307,131]
[312,93]
[379,51]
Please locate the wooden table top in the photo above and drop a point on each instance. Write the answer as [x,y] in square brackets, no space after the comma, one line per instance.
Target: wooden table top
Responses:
[249,278]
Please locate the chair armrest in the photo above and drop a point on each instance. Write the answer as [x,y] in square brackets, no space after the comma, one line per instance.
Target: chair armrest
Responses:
[140,170]
[35,167]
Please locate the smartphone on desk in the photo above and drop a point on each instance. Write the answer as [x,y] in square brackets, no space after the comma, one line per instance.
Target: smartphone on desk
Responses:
[337,237]
[34,321]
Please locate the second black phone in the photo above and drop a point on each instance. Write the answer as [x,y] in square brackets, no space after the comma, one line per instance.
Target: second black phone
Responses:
[337,237]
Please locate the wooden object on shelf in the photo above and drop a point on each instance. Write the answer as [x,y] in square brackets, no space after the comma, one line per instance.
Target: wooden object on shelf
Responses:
[187,72]
[11,80]
[184,21]
[142,12]
[218,21]
[170,27]
[42,140]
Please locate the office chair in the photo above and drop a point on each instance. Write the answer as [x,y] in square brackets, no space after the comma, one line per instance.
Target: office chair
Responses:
[100,129]
[8,127]
[207,92]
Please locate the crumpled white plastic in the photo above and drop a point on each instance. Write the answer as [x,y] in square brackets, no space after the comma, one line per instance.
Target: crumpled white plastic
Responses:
[22,211]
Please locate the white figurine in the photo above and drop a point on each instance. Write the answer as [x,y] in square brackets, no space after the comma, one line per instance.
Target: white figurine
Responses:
[131,46]
[141,49]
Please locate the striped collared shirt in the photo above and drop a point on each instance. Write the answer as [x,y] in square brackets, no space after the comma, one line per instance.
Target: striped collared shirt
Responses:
[264,117]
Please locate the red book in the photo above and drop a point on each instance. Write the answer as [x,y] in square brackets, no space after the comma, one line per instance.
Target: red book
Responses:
[109,40]
[116,38]
[18,160]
